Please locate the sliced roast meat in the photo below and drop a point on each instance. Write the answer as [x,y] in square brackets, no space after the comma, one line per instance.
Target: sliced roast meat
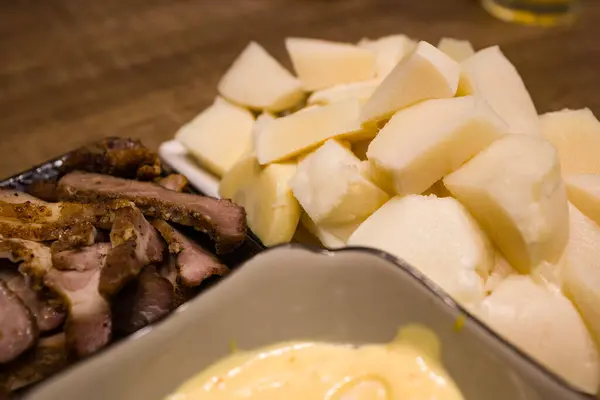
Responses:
[224,221]
[143,301]
[127,158]
[26,217]
[18,331]
[47,358]
[175,182]
[88,327]
[35,258]
[135,244]
[44,190]
[194,263]
[47,309]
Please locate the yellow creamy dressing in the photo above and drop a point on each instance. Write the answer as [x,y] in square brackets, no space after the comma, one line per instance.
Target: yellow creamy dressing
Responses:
[405,369]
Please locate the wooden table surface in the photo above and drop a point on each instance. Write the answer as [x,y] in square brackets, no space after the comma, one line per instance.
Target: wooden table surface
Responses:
[72,71]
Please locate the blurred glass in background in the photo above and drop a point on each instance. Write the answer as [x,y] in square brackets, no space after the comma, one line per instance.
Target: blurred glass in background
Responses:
[534,12]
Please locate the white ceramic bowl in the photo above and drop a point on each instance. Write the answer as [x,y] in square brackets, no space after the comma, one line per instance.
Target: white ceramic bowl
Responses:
[291,292]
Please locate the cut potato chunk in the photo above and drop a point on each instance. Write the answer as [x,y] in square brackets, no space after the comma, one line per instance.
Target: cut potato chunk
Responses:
[545,325]
[331,189]
[272,211]
[426,73]
[289,136]
[256,80]
[584,192]
[423,143]
[436,236]
[242,174]
[576,136]
[360,91]
[218,136]
[459,50]
[514,189]
[389,50]
[321,64]
[581,272]
[332,237]
[490,75]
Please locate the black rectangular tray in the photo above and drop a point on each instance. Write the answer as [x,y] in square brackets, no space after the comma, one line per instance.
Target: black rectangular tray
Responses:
[51,170]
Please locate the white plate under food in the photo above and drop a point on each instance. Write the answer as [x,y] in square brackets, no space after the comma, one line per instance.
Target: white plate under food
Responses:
[176,156]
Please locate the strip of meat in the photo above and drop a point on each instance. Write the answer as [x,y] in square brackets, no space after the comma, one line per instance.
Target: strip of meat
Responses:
[26,217]
[194,263]
[88,327]
[135,244]
[168,270]
[224,221]
[143,301]
[48,357]
[175,182]
[47,310]
[127,158]
[18,331]
[34,258]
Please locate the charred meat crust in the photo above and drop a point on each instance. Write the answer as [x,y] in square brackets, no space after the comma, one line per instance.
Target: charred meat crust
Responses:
[18,330]
[174,182]
[194,263]
[143,301]
[135,244]
[126,158]
[224,221]
[48,357]
[24,216]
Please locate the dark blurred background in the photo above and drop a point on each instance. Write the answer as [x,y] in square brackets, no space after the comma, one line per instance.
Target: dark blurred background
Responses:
[72,71]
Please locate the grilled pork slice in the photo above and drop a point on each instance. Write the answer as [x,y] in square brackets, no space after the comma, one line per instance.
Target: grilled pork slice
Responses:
[175,182]
[18,331]
[48,357]
[88,327]
[47,310]
[127,158]
[143,301]
[224,221]
[78,235]
[35,258]
[194,263]
[135,244]
[26,217]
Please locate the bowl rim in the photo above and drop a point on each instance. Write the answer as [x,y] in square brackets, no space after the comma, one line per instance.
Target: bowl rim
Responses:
[437,291]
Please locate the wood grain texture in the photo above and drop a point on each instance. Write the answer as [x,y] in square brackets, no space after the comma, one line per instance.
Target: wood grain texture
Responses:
[73,71]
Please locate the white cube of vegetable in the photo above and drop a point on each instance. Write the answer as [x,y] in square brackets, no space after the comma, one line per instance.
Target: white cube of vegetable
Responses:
[423,143]
[515,190]
[321,64]
[218,136]
[438,237]
[331,189]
